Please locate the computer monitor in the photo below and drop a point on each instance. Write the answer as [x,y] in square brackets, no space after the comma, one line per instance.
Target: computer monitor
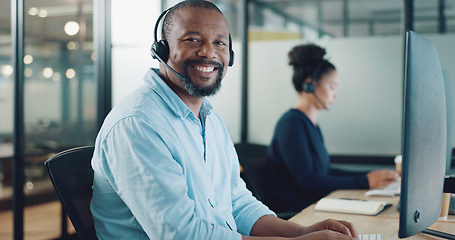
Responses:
[424,138]
[449,110]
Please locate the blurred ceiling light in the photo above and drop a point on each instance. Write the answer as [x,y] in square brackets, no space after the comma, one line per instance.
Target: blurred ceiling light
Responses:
[48,72]
[71,45]
[29,185]
[42,13]
[71,28]
[33,11]
[28,59]
[70,73]
[6,70]
[28,72]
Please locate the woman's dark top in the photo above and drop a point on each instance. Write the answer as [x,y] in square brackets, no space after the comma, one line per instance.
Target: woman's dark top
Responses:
[299,166]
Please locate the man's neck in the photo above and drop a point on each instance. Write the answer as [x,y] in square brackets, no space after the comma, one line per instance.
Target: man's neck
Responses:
[194,103]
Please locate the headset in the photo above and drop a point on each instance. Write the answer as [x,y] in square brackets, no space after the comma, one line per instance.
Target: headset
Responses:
[309,87]
[160,49]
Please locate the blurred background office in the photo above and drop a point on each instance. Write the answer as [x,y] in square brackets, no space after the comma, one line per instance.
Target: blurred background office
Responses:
[78,58]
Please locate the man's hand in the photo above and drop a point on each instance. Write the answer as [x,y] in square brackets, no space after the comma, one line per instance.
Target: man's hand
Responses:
[331,229]
[271,227]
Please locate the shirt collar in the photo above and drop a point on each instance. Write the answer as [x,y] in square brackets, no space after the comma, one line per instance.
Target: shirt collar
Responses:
[154,81]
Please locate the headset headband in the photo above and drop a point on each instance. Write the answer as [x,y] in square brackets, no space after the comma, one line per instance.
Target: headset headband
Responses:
[158,23]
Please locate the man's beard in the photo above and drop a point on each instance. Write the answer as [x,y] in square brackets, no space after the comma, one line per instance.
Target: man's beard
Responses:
[197,90]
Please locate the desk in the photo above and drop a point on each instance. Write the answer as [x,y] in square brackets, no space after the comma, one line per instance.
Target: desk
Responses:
[385,223]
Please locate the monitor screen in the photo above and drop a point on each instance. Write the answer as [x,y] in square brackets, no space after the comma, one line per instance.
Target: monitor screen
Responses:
[424,137]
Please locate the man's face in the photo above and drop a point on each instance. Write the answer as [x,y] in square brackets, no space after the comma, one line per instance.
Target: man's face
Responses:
[199,48]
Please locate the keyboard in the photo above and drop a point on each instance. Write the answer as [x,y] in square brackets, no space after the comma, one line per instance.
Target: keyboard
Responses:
[390,190]
[370,237]
[394,187]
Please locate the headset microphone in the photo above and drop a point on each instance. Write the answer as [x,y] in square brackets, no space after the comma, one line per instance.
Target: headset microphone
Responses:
[320,101]
[156,56]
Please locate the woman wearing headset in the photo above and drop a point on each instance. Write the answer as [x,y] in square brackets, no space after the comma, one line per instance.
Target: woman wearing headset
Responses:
[298,161]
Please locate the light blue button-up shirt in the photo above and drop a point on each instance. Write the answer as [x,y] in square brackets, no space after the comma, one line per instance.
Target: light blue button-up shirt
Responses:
[161,173]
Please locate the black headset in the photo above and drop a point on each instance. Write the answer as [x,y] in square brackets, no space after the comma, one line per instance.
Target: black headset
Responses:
[309,86]
[160,49]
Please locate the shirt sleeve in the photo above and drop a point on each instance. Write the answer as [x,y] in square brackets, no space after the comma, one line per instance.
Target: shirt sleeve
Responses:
[294,147]
[140,166]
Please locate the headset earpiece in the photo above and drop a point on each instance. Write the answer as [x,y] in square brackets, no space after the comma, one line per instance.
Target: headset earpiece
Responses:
[231,58]
[231,52]
[160,49]
[308,86]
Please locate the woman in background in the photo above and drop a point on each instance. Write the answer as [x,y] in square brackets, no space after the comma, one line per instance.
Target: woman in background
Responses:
[298,161]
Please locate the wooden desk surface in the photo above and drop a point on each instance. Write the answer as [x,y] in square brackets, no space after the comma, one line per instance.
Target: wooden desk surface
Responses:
[385,223]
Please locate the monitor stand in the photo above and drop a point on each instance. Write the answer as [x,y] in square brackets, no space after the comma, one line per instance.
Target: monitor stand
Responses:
[439,234]
[449,187]
[452,205]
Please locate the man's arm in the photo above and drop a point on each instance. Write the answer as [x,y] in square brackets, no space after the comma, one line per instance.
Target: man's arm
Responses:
[276,228]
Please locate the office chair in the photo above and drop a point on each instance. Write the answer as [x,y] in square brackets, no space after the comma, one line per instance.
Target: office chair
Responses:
[72,176]
[252,158]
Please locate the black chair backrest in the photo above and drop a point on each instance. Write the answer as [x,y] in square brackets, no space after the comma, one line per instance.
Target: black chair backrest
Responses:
[72,176]
[252,158]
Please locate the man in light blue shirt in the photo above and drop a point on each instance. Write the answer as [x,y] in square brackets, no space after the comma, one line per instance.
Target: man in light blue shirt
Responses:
[165,166]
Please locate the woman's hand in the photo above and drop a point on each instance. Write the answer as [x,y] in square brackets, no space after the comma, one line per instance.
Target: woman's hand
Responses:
[382,177]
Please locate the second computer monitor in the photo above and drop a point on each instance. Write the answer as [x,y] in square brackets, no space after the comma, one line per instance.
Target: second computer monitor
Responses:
[424,138]
[450,119]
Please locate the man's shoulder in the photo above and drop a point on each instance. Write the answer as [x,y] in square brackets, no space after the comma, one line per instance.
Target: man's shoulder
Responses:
[142,103]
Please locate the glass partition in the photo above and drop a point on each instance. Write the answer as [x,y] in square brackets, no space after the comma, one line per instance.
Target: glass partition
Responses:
[60,97]
[6,103]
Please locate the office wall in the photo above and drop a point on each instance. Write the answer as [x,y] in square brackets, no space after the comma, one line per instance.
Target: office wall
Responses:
[366,119]
[132,36]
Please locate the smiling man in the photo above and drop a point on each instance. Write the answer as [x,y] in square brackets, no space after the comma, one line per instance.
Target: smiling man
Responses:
[199,48]
[164,164]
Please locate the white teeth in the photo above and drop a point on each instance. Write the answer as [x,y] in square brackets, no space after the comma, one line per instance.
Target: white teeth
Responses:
[205,69]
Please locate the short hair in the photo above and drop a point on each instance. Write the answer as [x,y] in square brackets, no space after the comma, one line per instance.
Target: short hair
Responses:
[168,19]
[308,61]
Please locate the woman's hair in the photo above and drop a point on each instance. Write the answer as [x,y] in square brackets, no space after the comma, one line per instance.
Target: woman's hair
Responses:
[308,61]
